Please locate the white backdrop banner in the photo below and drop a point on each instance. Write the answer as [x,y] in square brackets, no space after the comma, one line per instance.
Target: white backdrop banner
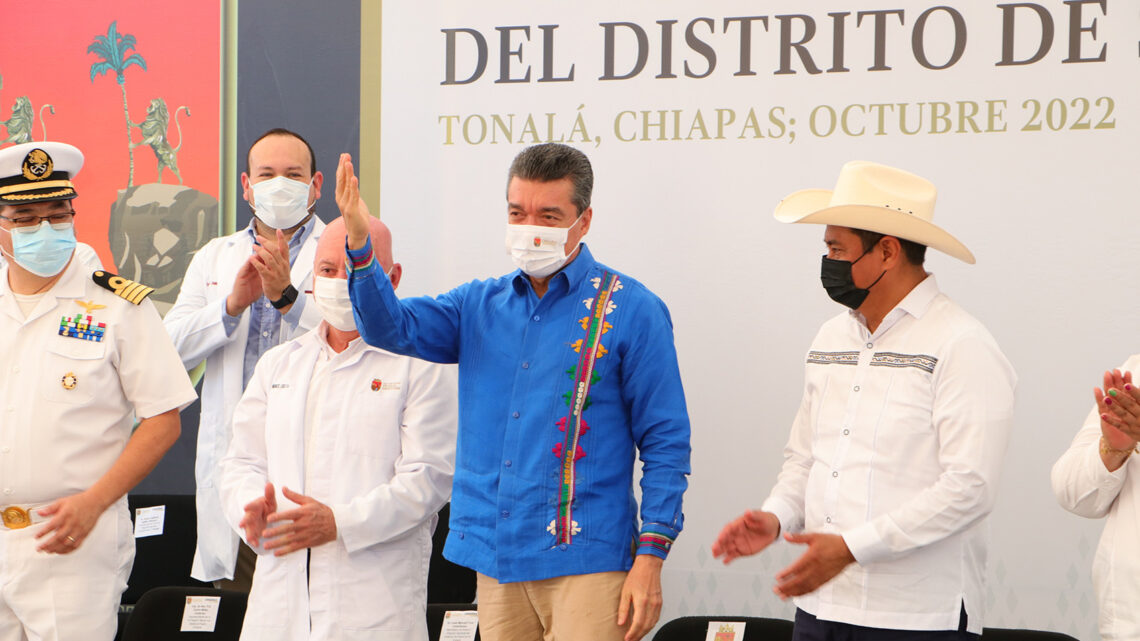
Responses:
[700,117]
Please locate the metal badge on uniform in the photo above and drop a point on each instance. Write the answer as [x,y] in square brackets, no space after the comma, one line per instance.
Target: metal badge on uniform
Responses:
[69,380]
[83,326]
[16,518]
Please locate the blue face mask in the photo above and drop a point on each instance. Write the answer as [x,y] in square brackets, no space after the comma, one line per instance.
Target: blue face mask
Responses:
[44,249]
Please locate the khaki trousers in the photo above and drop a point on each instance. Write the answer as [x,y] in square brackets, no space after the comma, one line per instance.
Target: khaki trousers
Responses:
[567,608]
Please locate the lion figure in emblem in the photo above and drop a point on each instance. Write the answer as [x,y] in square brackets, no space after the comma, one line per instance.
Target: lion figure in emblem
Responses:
[153,129]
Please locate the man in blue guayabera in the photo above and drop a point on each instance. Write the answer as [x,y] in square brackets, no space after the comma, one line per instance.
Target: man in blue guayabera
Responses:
[567,370]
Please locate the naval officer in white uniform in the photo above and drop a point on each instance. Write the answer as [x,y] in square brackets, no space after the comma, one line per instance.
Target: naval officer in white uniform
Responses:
[84,354]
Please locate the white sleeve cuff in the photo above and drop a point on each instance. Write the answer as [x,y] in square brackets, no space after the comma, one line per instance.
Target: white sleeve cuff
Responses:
[789,517]
[865,543]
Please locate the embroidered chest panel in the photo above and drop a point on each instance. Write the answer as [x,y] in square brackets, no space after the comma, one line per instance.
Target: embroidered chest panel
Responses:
[572,427]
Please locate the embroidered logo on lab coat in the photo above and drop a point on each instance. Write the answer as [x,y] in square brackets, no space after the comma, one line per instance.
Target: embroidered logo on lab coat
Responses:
[380,386]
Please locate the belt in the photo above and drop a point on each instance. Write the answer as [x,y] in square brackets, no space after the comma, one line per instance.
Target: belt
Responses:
[16,517]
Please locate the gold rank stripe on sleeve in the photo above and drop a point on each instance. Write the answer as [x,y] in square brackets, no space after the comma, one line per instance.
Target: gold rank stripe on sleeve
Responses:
[126,289]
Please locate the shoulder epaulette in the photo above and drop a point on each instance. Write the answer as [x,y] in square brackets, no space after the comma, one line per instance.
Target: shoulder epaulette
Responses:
[128,290]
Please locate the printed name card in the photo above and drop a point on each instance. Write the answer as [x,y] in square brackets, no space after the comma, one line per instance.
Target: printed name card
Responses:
[201,613]
[148,521]
[459,625]
[725,631]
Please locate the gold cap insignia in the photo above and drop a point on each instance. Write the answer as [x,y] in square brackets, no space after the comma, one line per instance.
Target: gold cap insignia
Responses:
[37,165]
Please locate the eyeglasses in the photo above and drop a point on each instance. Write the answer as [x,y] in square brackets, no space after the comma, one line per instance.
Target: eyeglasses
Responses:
[62,218]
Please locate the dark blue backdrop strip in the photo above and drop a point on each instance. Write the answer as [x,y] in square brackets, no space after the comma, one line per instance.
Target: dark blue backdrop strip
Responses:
[298,68]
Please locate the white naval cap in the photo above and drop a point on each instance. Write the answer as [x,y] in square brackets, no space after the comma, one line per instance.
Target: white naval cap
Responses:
[33,172]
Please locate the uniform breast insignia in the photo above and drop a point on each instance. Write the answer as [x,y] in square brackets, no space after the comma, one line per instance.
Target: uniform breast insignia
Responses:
[90,305]
[128,290]
[82,327]
[69,381]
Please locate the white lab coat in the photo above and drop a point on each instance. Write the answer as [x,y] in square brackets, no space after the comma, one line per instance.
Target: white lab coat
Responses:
[383,447]
[195,325]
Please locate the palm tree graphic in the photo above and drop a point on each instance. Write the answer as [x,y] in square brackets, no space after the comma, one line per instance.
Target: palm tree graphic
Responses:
[112,49]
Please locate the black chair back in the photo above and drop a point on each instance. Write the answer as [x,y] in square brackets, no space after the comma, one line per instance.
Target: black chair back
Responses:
[158,615]
[164,559]
[447,582]
[696,629]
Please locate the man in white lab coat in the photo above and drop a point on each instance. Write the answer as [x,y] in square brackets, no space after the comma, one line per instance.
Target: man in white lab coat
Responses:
[341,455]
[239,299]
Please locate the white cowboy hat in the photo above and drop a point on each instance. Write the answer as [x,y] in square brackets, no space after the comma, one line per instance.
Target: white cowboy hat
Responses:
[875,198]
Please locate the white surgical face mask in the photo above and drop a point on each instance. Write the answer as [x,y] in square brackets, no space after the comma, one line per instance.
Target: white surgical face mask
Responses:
[537,250]
[281,202]
[331,297]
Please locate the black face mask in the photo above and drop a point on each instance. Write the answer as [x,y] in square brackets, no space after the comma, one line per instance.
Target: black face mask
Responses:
[837,280]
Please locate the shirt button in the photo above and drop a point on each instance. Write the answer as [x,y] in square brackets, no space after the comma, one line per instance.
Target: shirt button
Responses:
[506,514]
[526,365]
[515,415]
[461,535]
[828,519]
[856,388]
[846,432]
[507,462]
[835,475]
[562,546]
[7,490]
[266,334]
[537,318]
[870,345]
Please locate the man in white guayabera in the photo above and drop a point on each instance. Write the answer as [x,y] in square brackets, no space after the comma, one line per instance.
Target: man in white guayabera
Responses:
[894,456]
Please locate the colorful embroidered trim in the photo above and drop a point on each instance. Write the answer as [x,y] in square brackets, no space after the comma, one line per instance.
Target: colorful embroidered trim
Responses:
[569,451]
[656,541]
[355,264]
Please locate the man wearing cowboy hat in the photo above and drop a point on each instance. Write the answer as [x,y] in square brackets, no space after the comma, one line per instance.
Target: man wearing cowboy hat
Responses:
[84,354]
[895,452]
